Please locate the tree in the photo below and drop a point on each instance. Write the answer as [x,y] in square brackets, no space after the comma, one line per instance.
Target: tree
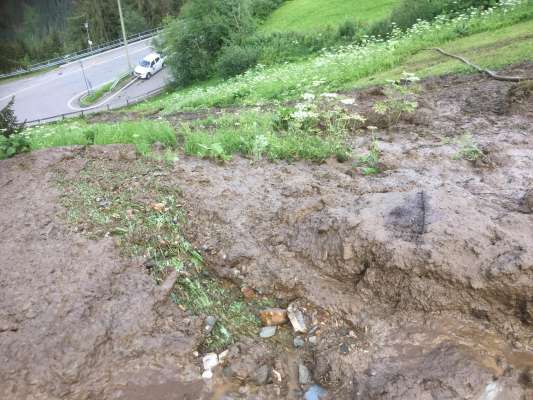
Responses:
[194,39]
[9,125]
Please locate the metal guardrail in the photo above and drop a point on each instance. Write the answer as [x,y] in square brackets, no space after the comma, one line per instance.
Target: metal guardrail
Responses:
[82,53]
[129,101]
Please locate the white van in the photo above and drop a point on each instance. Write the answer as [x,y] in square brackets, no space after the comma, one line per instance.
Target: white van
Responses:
[149,65]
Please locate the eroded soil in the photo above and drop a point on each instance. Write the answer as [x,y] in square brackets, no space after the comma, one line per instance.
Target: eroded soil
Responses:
[417,283]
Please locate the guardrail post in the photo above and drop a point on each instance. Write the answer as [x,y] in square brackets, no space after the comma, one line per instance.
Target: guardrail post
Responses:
[107,106]
[82,113]
[63,116]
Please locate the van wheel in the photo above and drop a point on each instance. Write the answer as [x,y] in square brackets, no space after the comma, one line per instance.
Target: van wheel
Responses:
[148,75]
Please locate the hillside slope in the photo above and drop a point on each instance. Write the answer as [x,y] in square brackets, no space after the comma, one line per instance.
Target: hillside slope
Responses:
[311,15]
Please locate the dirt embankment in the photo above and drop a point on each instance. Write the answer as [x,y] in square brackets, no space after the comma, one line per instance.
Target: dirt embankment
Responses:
[418,281]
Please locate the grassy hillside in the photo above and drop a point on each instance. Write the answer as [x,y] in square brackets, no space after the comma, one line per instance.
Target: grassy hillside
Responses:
[310,15]
[491,38]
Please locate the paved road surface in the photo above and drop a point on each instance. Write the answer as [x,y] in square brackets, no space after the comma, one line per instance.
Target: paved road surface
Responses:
[53,92]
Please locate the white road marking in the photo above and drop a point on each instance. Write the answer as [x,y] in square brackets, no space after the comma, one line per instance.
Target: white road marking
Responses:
[66,74]
[69,104]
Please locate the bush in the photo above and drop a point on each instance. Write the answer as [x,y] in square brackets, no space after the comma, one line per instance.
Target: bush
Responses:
[348,30]
[11,139]
[234,60]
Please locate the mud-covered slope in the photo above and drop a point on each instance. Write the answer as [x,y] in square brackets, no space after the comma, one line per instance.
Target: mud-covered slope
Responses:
[417,282]
[76,322]
[434,238]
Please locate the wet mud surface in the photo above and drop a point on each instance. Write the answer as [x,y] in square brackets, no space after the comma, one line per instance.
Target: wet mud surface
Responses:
[415,283]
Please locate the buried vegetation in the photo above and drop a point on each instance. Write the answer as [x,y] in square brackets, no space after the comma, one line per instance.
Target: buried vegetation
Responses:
[134,203]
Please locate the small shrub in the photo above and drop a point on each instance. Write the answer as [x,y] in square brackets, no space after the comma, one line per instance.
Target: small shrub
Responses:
[469,149]
[348,30]
[369,163]
[12,141]
[235,60]
[400,99]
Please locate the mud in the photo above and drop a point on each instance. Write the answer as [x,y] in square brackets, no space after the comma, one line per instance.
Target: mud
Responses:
[417,283]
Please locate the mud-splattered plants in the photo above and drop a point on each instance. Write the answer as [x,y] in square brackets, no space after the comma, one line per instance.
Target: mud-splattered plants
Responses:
[369,163]
[468,149]
[400,99]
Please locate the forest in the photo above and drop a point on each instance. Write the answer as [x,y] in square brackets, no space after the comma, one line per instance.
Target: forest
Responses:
[36,30]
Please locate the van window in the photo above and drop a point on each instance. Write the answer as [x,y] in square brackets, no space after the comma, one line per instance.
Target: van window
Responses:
[156,59]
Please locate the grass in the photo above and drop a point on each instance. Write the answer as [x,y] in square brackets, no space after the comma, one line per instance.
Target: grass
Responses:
[103,90]
[136,204]
[253,135]
[314,15]
[468,149]
[96,95]
[355,65]
[140,133]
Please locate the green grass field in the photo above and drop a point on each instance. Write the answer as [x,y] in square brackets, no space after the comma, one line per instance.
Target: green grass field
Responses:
[313,15]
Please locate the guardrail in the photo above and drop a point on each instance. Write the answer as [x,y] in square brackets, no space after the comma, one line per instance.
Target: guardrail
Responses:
[128,101]
[82,53]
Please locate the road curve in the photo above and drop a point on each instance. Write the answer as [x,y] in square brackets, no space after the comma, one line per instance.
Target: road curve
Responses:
[52,93]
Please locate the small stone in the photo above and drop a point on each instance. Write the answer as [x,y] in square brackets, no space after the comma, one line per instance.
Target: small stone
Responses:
[227,372]
[207,374]
[297,319]
[261,375]
[273,316]
[528,200]
[315,392]
[210,361]
[277,375]
[223,355]
[344,349]
[157,207]
[248,293]
[298,342]
[210,322]
[304,376]
[268,331]
[313,340]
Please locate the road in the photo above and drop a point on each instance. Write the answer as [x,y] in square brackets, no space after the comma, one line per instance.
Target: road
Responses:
[55,92]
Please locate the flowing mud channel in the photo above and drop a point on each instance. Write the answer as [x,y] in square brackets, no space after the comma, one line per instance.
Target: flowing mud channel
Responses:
[413,283]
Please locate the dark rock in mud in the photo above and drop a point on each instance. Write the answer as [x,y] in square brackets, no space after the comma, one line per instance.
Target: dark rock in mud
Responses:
[261,375]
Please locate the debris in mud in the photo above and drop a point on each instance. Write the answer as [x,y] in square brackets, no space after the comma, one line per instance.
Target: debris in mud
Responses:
[267,331]
[298,342]
[297,319]
[261,375]
[315,392]
[304,376]
[210,322]
[209,361]
[273,316]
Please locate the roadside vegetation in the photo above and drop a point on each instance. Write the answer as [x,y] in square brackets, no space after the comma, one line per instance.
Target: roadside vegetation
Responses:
[94,96]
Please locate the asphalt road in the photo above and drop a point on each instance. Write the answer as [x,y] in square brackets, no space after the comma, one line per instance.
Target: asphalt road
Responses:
[55,92]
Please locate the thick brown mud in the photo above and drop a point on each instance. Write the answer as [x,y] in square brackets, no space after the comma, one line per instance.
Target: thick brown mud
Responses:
[416,283]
